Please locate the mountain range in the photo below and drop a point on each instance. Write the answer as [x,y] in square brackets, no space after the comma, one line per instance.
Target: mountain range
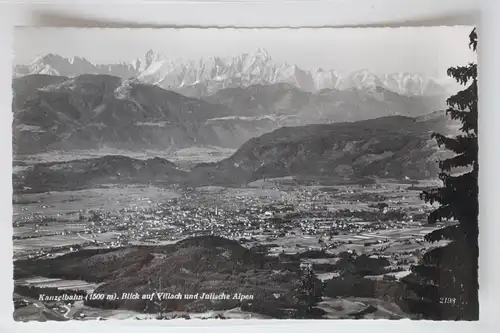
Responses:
[96,111]
[203,77]
[395,147]
[326,106]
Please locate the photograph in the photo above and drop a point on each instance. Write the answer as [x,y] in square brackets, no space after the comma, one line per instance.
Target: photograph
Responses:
[245,173]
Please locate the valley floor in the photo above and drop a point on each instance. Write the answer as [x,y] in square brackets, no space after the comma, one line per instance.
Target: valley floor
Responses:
[274,214]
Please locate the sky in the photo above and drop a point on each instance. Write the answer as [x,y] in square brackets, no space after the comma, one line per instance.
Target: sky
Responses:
[425,50]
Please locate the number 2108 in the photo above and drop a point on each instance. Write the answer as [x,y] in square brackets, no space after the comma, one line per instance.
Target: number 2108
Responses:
[447,300]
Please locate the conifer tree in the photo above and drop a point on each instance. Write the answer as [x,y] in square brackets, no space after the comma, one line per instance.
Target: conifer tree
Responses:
[308,293]
[444,285]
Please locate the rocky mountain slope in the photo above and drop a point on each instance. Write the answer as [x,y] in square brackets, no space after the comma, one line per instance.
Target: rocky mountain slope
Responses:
[203,77]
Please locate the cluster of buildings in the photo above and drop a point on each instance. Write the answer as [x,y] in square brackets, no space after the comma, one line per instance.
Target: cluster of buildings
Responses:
[246,216]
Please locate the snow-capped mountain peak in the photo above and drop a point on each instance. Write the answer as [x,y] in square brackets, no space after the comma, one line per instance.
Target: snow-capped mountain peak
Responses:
[205,76]
[261,53]
[362,79]
[326,79]
[151,57]
[404,83]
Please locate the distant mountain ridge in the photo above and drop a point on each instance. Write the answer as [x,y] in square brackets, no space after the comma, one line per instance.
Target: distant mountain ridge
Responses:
[205,77]
[325,106]
[387,147]
[53,64]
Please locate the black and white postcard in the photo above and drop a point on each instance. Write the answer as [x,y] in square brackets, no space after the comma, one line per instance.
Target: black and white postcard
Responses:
[164,174]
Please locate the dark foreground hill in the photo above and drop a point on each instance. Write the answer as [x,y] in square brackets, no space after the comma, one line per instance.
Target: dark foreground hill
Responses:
[211,265]
[206,264]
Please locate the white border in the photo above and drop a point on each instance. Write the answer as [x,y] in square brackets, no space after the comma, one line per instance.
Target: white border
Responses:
[273,13]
